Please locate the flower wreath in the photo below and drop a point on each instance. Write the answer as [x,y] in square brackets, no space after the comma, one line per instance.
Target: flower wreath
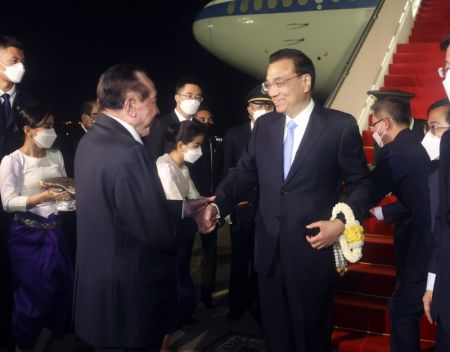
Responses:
[348,247]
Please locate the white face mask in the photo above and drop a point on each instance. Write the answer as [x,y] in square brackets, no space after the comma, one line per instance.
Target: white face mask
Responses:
[192,155]
[189,106]
[258,113]
[378,139]
[431,144]
[15,72]
[44,139]
[446,84]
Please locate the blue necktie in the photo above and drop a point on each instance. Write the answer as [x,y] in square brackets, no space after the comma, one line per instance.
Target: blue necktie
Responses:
[6,108]
[287,147]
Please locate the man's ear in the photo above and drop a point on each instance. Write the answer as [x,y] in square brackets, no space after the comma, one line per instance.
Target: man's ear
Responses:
[129,107]
[307,81]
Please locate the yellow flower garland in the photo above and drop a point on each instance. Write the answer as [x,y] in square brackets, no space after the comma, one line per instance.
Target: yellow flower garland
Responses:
[348,247]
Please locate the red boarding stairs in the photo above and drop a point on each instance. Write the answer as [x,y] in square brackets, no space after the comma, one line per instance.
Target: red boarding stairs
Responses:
[361,314]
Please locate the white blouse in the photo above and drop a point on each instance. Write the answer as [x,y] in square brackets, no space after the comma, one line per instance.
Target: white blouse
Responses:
[176,181]
[19,178]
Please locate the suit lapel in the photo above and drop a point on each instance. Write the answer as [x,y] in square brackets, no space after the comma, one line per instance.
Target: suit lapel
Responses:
[313,131]
[278,125]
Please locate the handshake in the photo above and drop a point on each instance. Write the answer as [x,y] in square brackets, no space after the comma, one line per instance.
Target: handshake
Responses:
[203,212]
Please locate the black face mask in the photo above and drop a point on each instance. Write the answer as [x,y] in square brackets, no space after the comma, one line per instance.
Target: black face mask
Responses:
[207,127]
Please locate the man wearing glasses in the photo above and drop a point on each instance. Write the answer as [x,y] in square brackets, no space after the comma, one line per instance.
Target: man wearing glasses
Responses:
[298,156]
[188,96]
[403,167]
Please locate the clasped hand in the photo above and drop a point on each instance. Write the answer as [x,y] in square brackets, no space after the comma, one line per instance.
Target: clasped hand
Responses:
[328,234]
[202,212]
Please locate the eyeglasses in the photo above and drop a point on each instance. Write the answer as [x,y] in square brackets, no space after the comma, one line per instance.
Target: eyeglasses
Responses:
[280,83]
[374,124]
[197,97]
[433,128]
[442,71]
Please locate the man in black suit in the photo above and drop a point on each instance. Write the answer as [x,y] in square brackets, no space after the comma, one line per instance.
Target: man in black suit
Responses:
[125,275]
[298,156]
[205,173]
[188,96]
[402,168]
[243,289]
[73,133]
[12,99]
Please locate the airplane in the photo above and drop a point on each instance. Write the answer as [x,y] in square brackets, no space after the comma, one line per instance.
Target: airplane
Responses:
[243,33]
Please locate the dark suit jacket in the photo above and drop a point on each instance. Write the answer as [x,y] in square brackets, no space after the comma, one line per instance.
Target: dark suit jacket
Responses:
[403,168]
[125,274]
[234,143]
[330,153]
[156,141]
[10,137]
[440,259]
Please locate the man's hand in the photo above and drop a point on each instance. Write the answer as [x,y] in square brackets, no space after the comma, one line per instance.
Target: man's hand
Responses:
[329,233]
[190,207]
[206,219]
[427,299]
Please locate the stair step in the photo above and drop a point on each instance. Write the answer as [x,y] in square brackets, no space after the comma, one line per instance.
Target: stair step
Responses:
[378,250]
[412,69]
[366,313]
[369,151]
[357,341]
[432,92]
[431,79]
[371,279]
[373,226]
[415,58]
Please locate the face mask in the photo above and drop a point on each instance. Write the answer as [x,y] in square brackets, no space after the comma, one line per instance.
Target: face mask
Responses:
[189,106]
[258,113]
[45,139]
[379,139]
[446,84]
[15,72]
[192,155]
[431,144]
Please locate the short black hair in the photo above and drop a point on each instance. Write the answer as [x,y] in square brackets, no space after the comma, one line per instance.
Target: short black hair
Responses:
[396,108]
[302,63]
[34,116]
[183,132]
[445,43]
[179,85]
[440,103]
[8,42]
[116,82]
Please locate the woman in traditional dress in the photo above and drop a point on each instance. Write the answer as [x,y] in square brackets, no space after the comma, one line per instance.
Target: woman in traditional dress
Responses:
[185,140]
[42,272]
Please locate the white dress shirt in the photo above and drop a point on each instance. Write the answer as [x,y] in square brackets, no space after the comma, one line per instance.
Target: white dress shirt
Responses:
[181,117]
[301,120]
[19,178]
[129,128]
[12,95]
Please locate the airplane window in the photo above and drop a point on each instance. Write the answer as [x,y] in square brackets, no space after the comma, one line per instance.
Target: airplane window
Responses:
[244,5]
[287,3]
[302,2]
[257,5]
[231,7]
[272,3]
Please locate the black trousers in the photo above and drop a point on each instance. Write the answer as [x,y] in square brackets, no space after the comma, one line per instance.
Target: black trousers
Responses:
[209,265]
[243,287]
[442,338]
[405,310]
[296,316]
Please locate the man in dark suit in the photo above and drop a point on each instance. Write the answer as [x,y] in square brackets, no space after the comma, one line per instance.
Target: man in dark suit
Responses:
[12,99]
[125,275]
[243,289]
[188,96]
[403,168]
[298,156]
[206,174]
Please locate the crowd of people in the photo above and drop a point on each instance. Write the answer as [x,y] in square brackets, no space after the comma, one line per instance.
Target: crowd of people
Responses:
[146,185]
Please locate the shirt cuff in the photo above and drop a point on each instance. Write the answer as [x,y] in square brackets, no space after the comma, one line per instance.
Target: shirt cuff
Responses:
[378,213]
[217,209]
[430,281]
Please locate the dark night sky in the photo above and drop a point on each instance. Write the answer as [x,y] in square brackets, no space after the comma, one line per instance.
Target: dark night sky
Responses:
[67,47]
